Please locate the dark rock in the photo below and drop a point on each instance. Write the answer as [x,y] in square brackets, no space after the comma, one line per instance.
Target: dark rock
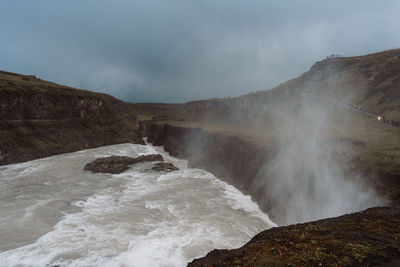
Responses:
[367,238]
[118,164]
[164,166]
[138,139]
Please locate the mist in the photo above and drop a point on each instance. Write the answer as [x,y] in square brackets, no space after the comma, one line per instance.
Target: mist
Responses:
[309,177]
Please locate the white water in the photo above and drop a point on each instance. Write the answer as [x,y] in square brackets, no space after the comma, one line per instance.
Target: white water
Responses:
[55,213]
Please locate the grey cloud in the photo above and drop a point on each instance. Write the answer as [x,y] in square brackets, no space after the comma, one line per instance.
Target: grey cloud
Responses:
[174,51]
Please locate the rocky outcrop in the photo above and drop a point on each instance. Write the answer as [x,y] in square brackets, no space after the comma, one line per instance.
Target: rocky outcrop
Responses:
[367,238]
[118,164]
[164,167]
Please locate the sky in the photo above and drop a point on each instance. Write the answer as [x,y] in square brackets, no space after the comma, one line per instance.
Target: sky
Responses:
[175,51]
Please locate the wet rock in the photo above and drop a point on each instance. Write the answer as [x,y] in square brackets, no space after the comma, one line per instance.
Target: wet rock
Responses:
[118,164]
[164,166]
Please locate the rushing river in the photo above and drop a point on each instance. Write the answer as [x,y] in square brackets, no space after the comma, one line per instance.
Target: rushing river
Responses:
[52,212]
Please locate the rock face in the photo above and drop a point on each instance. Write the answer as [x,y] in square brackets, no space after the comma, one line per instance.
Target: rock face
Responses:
[164,166]
[40,118]
[367,238]
[118,164]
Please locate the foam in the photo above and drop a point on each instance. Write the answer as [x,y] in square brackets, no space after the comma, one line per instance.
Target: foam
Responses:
[243,202]
[150,219]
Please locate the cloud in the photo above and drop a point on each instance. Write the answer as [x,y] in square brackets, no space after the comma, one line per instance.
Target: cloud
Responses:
[175,51]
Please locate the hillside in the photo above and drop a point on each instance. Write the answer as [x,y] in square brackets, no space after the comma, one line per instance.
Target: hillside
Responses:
[372,81]
[40,118]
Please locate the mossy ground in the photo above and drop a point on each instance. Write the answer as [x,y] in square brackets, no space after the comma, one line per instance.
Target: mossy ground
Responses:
[368,238]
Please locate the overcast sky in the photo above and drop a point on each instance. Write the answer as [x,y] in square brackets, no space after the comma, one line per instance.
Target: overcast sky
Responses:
[181,50]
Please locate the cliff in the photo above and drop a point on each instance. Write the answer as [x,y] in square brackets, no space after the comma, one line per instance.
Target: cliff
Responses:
[368,238]
[40,118]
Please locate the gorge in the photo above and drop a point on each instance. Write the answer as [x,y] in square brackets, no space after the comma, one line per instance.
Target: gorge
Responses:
[268,144]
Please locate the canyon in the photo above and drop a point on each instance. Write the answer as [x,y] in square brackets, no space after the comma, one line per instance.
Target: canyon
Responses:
[237,138]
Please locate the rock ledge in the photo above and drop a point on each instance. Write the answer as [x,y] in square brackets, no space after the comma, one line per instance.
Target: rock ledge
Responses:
[164,166]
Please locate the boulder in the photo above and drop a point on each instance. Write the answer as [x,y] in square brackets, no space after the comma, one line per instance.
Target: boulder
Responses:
[118,164]
[164,166]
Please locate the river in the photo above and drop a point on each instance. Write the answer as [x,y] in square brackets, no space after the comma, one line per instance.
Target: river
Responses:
[55,213]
